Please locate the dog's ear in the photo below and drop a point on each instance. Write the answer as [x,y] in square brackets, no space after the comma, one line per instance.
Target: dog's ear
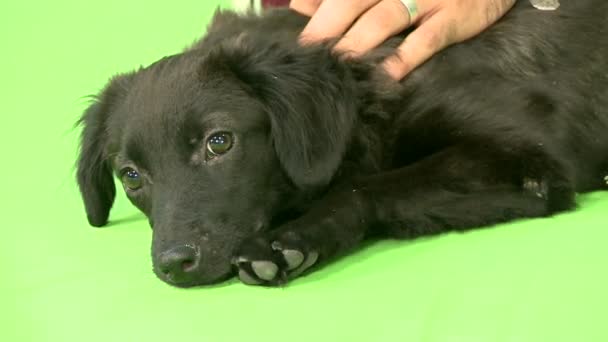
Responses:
[309,96]
[94,174]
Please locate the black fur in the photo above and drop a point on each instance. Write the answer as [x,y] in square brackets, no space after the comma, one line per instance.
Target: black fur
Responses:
[328,151]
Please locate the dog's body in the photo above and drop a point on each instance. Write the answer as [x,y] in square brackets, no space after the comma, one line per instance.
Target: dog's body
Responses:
[316,153]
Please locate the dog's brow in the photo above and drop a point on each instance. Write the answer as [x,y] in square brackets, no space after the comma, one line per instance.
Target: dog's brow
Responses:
[134,153]
[214,117]
[197,123]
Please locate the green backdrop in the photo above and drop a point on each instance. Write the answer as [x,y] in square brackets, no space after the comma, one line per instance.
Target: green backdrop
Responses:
[61,280]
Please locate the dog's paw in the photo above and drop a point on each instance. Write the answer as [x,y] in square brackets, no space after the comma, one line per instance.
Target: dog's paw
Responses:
[274,261]
[538,187]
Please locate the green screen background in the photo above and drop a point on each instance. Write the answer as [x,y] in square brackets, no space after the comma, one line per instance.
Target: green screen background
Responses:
[61,280]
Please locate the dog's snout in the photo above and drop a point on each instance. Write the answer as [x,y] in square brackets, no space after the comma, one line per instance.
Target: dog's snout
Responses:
[179,264]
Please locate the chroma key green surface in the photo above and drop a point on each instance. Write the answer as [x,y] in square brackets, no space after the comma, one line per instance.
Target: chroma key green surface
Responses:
[61,280]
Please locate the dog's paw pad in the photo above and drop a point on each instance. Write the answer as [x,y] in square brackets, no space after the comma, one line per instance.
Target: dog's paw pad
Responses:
[274,261]
[293,258]
[311,259]
[265,270]
[297,261]
[246,278]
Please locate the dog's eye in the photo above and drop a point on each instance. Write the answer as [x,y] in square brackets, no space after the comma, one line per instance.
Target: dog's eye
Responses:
[131,179]
[219,143]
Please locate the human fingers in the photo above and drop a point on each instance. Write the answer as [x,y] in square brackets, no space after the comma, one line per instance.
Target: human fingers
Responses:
[385,19]
[426,40]
[333,18]
[305,7]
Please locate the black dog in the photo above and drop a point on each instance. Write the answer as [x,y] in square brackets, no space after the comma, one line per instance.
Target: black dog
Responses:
[250,152]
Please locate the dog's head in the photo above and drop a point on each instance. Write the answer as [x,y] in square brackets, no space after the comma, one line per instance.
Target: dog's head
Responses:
[214,143]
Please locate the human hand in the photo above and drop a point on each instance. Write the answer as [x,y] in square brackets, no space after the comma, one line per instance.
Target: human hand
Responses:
[365,24]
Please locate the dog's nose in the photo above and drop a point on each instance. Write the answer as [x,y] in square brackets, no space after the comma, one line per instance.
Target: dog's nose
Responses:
[179,264]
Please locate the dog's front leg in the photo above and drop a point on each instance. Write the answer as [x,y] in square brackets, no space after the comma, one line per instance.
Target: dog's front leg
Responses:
[459,188]
[336,224]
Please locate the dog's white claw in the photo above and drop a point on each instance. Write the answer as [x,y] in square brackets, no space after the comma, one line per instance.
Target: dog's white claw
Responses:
[266,270]
[537,187]
[545,5]
[532,185]
[238,260]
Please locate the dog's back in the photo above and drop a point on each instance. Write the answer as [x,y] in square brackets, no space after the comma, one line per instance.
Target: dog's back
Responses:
[537,78]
